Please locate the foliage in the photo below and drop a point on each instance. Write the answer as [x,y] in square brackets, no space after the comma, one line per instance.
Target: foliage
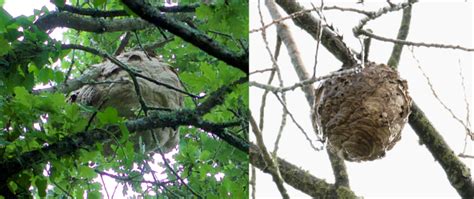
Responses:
[30,59]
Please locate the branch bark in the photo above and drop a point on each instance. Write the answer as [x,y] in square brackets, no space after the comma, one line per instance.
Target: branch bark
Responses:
[458,174]
[301,179]
[330,40]
[193,36]
[117,13]
[97,25]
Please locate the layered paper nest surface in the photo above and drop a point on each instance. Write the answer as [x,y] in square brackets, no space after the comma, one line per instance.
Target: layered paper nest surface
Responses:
[117,90]
[362,114]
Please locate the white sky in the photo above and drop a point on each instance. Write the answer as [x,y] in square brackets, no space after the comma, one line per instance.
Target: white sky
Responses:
[408,170]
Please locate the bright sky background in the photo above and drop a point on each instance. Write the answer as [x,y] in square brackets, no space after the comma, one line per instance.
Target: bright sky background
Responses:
[408,170]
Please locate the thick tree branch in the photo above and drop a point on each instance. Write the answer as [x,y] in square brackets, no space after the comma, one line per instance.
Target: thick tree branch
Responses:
[117,13]
[301,179]
[88,139]
[193,36]
[97,25]
[330,40]
[458,174]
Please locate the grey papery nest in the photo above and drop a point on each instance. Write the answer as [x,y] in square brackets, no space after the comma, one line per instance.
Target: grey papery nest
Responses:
[362,114]
[117,90]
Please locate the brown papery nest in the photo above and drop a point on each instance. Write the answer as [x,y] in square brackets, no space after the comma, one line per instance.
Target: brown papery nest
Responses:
[114,88]
[362,114]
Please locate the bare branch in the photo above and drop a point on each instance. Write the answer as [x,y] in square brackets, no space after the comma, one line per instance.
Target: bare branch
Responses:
[304,82]
[301,179]
[419,44]
[458,174]
[379,13]
[366,13]
[271,166]
[329,38]
[117,13]
[435,94]
[97,25]
[193,36]
[402,35]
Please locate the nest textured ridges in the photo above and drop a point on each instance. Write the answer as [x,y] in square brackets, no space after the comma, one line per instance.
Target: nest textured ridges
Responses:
[362,114]
[119,92]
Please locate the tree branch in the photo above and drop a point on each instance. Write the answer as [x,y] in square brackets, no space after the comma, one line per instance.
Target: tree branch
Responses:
[402,35]
[458,174]
[330,40]
[301,179]
[97,25]
[87,139]
[193,36]
[117,13]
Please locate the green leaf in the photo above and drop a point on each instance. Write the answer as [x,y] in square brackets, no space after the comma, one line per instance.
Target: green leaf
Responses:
[94,195]
[98,3]
[5,47]
[22,96]
[109,115]
[44,75]
[5,18]
[205,155]
[87,172]
[79,193]
[13,186]
[41,184]
[59,3]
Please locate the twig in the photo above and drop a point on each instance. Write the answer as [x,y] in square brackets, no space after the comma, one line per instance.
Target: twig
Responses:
[419,44]
[462,155]
[123,44]
[366,13]
[291,16]
[140,45]
[262,71]
[270,163]
[274,66]
[103,185]
[253,181]
[357,30]
[329,38]
[304,82]
[174,172]
[298,125]
[433,91]
[125,67]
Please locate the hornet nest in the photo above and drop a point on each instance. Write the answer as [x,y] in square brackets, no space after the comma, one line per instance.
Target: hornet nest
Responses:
[362,114]
[117,90]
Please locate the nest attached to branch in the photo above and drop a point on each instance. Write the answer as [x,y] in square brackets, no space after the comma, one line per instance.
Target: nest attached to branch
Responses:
[114,88]
[362,114]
